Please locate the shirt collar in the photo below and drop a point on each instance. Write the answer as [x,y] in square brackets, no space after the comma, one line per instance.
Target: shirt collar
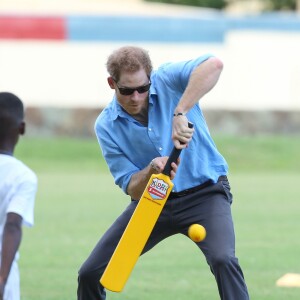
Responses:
[116,109]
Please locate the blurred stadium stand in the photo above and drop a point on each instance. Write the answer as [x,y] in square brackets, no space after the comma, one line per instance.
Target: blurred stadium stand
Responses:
[53,54]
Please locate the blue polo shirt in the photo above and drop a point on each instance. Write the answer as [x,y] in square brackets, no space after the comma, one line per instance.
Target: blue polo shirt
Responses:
[128,146]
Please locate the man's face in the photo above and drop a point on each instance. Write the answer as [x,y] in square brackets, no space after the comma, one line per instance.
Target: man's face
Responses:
[137,101]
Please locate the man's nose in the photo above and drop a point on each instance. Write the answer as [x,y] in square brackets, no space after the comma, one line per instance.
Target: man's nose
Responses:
[135,95]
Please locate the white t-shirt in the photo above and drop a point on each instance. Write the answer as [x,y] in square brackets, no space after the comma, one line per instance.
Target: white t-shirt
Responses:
[18,186]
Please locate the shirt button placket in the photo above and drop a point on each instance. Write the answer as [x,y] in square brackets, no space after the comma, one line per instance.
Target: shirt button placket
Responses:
[151,135]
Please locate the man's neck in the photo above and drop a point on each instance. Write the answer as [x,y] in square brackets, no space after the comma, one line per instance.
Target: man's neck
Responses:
[142,117]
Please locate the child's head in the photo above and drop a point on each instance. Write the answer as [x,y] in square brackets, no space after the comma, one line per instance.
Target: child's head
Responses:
[11,118]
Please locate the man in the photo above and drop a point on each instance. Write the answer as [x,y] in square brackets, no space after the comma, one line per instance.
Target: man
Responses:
[148,115]
[18,185]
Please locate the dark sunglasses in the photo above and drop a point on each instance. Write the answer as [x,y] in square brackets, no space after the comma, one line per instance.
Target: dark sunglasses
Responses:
[126,91]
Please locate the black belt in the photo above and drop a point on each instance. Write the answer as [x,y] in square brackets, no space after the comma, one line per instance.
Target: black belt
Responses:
[196,188]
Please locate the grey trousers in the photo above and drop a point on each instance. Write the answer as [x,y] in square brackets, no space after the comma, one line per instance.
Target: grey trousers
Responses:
[210,207]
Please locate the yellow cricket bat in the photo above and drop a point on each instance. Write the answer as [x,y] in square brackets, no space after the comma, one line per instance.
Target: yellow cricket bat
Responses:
[139,227]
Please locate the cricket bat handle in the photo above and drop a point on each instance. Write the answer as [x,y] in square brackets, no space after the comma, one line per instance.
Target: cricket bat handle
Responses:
[173,156]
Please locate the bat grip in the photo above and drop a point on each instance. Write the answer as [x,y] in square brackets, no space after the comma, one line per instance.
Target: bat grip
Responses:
[173,157]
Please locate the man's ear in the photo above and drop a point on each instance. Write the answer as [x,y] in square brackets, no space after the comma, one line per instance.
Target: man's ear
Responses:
[111,82]
[22,128]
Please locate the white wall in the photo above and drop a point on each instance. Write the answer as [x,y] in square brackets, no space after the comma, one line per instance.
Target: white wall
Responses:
[262,71]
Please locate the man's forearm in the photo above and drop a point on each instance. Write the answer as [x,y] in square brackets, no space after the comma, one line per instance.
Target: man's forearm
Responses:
[138,182]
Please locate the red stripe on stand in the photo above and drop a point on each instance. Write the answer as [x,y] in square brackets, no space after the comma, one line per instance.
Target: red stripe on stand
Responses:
[53,28]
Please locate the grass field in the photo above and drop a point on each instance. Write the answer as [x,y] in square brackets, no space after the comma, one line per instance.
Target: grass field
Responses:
[77,200]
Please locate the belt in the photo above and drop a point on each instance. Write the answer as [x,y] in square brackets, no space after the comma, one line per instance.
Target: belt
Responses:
[196,188]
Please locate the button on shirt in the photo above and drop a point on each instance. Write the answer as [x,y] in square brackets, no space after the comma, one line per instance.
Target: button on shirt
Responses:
[128,146]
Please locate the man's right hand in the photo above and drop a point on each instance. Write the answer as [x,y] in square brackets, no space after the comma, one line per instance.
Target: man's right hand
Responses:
[158,165]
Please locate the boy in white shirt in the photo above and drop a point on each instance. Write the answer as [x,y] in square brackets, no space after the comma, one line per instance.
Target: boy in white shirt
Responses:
[18,185]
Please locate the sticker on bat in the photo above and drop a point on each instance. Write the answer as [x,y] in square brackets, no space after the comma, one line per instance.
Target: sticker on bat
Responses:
[158,189]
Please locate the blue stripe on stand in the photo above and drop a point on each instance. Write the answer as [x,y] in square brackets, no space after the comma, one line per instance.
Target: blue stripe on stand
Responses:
[145,29]
[209,29]
[266,21]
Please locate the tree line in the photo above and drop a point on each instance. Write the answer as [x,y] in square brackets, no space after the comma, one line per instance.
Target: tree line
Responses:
[269,5]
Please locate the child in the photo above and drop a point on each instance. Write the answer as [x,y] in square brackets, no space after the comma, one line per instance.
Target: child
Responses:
[18,185]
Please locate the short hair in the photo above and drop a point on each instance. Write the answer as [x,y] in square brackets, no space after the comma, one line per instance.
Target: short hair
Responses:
[11,112]
[128,59]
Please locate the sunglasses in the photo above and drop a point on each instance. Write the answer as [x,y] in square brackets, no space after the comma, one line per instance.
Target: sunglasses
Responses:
[126,91]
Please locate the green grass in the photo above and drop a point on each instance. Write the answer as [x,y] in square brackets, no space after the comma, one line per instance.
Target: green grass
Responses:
[77,200]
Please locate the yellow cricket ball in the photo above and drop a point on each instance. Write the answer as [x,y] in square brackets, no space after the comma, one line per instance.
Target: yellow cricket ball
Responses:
[197,233]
